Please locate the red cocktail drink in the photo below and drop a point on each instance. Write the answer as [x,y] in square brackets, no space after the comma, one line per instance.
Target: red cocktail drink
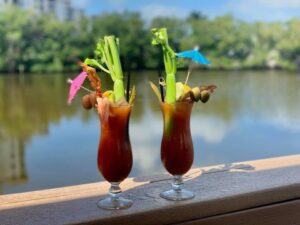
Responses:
[177,152]
[114,153]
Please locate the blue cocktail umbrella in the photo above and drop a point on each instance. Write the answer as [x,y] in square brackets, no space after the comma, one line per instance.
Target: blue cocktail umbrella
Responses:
[195,55]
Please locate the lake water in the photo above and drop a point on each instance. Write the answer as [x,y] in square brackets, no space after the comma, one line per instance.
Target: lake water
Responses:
[44,143]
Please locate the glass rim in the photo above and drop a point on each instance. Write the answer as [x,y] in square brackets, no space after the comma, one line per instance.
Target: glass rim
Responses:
[178,103]
[120,106]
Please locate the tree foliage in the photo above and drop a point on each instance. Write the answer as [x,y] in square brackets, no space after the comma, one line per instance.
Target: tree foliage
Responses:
[31,42]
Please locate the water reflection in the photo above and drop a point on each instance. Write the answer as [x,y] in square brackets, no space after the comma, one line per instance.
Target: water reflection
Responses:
[44,143]
[12,165]
[27,108]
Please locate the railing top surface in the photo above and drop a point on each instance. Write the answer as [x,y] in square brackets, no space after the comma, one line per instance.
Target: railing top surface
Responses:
[219,189]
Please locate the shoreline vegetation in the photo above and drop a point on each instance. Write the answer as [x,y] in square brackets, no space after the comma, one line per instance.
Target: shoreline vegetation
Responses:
[31,43]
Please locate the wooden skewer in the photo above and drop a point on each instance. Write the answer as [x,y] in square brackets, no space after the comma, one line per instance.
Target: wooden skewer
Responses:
[187,77]
[190,67]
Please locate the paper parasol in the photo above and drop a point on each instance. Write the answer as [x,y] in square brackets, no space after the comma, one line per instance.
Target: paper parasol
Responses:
[195,55]
[75,85]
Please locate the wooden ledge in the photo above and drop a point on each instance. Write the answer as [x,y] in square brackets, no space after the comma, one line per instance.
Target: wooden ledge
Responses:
[225,191]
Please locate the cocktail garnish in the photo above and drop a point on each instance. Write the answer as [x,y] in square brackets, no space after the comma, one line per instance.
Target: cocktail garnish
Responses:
[194,55]
[70,81]
[95,81]
[132,95]
[103,109]
[161,38]
[108,60]
[86,102]
[177,91]
[155,90]
[75,86]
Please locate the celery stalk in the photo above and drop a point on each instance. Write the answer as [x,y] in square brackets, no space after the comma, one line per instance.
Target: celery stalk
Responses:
[170,88]
[107,53]
[119,89]
[118,83]
[161,37]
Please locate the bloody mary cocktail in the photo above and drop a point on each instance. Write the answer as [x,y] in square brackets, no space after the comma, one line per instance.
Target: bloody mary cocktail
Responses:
[177,152]
[114,152]
[114,108]
[176,102]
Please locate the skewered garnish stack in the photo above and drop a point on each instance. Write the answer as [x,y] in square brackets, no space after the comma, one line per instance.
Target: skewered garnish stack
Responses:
[186,93]
[106,59]
[178,91]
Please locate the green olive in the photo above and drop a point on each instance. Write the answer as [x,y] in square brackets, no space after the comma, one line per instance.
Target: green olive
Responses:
[204,96]
[195,94]
[86,102]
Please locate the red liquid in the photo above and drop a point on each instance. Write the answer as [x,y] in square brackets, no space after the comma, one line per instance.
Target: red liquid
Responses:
[177,152]
[114,152]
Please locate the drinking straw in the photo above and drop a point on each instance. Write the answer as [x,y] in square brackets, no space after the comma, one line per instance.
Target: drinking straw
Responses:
[161,88]
[126,66]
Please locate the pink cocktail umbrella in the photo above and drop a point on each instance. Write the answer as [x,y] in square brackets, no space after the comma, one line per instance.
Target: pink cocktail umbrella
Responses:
[76,85]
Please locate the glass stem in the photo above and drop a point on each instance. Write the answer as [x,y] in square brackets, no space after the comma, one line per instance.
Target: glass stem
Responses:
[177,183]
[115,190]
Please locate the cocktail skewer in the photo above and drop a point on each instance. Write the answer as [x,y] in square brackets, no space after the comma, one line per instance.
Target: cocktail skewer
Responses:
[191,67]
[188,75]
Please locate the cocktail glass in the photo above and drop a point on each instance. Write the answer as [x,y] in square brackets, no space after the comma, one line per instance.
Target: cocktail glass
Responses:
[177,152]
[114,154]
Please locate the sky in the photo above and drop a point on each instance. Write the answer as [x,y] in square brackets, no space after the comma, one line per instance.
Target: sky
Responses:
[247,10]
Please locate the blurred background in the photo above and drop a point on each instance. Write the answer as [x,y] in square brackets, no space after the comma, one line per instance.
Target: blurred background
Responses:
[50,35]
[253,46]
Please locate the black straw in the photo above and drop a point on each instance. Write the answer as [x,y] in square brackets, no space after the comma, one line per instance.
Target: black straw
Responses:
[161,88]
[126,66]
[128,85]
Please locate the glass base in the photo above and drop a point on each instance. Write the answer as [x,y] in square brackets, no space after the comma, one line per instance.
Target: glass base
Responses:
[115,199]
[114,203]
[181,195]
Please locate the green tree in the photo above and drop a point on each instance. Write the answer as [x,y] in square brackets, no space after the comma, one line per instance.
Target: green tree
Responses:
[32,42]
